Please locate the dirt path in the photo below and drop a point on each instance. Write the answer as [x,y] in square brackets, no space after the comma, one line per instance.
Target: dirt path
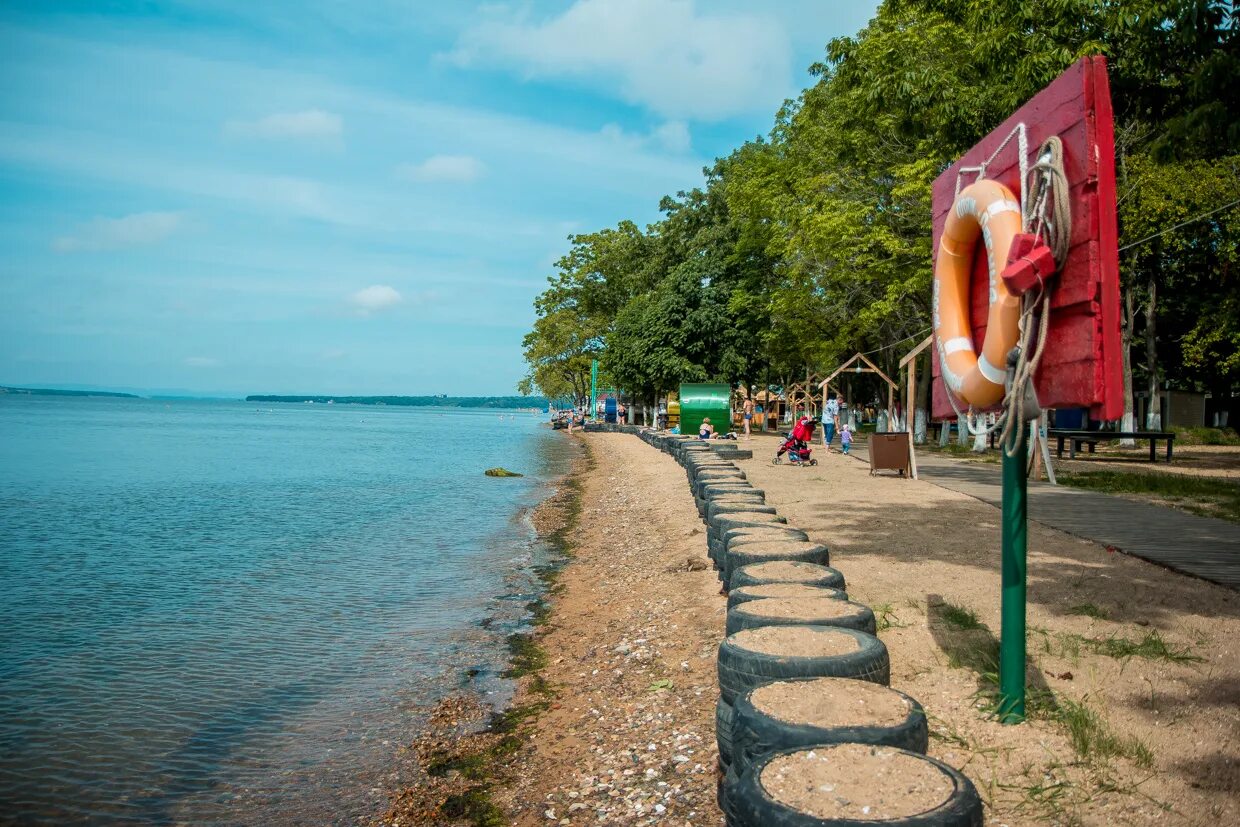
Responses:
[631,647]
[1135,670]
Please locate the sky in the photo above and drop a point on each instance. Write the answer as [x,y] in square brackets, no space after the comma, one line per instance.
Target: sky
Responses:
[347,196]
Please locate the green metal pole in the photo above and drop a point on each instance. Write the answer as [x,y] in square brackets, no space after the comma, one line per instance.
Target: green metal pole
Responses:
[1012,633]
[593,387]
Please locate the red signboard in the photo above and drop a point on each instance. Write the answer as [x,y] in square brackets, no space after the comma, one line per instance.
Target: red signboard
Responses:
[1082,364]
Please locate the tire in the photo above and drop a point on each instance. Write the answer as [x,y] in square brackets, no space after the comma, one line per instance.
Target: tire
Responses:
[744,594]
[740,553]
[720,524]
[777,461]
[743,667]
[753,806]
[787,571]
[755,732]
[826,611]
[813,462]
[723,730]
[720,506]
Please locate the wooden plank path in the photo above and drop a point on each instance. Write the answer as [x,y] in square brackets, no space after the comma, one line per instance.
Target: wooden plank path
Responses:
[1204,547]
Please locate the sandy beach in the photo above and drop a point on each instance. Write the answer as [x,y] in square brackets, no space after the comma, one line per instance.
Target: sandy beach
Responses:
[1134,675]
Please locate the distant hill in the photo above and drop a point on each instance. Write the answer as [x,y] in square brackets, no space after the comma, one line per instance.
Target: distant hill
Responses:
[55,392]
[415,401]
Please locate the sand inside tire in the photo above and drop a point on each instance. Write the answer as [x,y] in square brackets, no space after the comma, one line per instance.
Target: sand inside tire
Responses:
[854,781]
[798,641]
[787,571]
[767,546]
[831,702]
[788,590]
[787,608]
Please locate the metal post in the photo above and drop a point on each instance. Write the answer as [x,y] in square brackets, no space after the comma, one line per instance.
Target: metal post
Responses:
[593,388]
[1012,632]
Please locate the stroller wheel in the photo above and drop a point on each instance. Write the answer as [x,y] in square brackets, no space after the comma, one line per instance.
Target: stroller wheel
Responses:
[813,462]
[776,461]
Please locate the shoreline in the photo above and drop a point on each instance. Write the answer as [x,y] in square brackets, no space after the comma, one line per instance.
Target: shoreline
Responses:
[466,736]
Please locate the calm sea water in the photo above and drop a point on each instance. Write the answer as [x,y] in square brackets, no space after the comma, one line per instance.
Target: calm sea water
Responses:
[236,613]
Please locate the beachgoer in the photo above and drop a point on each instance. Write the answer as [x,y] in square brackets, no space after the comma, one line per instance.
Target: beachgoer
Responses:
[620,413]
[747,414]
[830,419]
[845,437]
[707,430]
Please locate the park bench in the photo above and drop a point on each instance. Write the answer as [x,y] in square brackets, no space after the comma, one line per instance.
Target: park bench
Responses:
[1077,438]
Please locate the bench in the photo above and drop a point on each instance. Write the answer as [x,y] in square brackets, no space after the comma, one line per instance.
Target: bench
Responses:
[1077,438]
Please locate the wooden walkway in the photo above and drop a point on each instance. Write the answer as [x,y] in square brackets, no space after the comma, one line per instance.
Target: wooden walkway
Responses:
[1204,547]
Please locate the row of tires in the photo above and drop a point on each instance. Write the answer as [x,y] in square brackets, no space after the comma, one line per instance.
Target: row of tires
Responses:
[809,732]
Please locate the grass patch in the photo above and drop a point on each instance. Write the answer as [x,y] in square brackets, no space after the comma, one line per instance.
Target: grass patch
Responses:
[961,617]
[885,618]
[1206,496]
[1094,741]
[1150,647]
[1089,610]
[1206,436]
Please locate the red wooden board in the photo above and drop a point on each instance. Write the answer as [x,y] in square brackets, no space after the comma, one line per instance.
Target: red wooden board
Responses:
[1082,365]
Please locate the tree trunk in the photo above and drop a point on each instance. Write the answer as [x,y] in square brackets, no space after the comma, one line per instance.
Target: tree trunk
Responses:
[922,416]
[1127,424]
[1153,418]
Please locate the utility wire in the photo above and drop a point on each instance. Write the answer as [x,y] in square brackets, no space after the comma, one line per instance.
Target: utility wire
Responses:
[1181,224]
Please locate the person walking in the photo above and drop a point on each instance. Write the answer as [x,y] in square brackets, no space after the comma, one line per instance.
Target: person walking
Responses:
[747,414]
[830,419]
[845,437]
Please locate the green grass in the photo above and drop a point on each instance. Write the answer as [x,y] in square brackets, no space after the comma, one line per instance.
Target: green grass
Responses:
[1201,495]
[1150,647]
[961,617]
[885,617]
[1089,610]
[1094,741]
[1206,436]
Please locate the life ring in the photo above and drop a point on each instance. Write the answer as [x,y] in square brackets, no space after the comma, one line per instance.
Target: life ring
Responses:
[989,209]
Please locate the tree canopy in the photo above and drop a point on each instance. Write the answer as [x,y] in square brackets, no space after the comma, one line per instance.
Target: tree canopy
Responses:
[813,242]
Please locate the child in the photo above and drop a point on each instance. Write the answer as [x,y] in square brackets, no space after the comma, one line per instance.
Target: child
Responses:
[707,431]
[845,437]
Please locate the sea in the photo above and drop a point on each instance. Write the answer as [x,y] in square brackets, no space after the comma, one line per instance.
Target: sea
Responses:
[221,612]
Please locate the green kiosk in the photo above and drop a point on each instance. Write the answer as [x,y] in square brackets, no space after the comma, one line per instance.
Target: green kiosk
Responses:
[698,401]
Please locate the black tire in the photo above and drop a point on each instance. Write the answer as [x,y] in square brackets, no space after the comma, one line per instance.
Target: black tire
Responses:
[741,553]
[721,505]
[753,806]
[826,611]
[744,594]
[755,732]
[742,667]
[777,461]
[723,730]
[720,525]
[777,571]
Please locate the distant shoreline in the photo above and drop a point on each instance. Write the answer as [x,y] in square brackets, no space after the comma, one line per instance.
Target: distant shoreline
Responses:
[506,402]
[56,392]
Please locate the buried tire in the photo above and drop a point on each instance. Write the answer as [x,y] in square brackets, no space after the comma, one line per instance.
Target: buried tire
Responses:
[801,611]
[814,711]
[744,594]
[787,571]
[755,657]
[724,718]
[851,785]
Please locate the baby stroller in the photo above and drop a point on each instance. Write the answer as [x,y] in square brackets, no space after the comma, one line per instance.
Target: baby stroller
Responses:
[796,444]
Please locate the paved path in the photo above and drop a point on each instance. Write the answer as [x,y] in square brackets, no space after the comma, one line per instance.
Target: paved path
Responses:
[1201,546]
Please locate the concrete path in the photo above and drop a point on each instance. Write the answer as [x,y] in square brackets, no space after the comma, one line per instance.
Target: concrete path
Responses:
[1204,547]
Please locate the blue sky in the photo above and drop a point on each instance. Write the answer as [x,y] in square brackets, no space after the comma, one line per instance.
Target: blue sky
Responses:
[347,197]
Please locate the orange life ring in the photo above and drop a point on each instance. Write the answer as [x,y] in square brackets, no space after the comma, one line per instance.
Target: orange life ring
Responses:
[989,209]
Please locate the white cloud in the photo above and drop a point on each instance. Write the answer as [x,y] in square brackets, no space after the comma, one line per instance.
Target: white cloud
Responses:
[662,54]
[460,168]
[127,231]
[201,362]
[671,136]
[310,124]
[375,298]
